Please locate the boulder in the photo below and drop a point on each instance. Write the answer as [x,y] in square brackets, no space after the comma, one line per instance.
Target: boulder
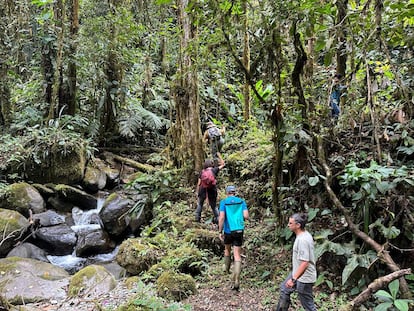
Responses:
[59,204]
[175,286]
[22,197]
[24,280]
[114,214]
[49,218]
[94,179]
[57,240]
[28,250]
[61,166]
[92,282]
[12,226]
[76,196]
[138,254]
[92,242]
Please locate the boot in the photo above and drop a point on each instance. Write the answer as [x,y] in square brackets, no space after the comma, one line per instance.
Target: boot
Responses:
[283,304]
[227,263]
[236,275]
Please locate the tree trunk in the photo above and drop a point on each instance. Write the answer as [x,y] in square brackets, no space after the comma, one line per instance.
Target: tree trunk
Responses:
[246,63]
[186,135]
[301,163]
[72,70]
[114,75]
[4,83]
[55,100]
[341,53]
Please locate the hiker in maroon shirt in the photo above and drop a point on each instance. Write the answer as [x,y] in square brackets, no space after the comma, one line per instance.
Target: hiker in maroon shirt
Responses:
[207,188]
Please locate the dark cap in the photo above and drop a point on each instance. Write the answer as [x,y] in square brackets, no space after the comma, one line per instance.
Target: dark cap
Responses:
[231,189]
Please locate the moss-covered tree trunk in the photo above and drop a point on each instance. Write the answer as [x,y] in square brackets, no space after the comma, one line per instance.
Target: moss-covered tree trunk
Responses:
[4,55]
[71,84]
[246,62]
[341,53]
[187,148]
[114,77]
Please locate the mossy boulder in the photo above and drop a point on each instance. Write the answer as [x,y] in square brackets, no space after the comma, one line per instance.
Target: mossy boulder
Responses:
[175,286]
[205,239]
[12,224]
[76,196]
[22,197]
[60,166]
[137,255]
[92,281]
[186,259]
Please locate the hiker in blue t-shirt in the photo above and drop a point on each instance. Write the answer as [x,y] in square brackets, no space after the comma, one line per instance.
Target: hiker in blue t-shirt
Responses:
[233,213]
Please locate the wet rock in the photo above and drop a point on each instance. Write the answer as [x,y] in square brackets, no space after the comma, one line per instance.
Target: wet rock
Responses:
[12,225]
[93,241]
[94,179]
[76,196]
[57,240]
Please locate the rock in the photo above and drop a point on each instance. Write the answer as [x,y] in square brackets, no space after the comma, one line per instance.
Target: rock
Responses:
[92,242]
[175,286]
[113,214]
[59,204]
[138,255]
[76,196]
[12,225]
[57,240]
[25,280]
[92,282]
[22,197]
[49,218]
[28,250]
[94,179]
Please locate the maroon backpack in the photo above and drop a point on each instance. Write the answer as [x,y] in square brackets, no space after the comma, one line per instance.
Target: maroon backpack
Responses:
[208,180]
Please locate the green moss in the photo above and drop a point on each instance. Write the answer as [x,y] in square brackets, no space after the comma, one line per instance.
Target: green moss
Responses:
[11,221]
[81,279]
[138,255]
[175,286]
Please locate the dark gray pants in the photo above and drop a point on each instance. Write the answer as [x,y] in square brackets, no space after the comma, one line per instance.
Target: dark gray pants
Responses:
[305,294]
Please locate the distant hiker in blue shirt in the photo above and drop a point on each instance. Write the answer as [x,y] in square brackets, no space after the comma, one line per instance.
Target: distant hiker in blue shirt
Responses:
[233,213]
[336,93]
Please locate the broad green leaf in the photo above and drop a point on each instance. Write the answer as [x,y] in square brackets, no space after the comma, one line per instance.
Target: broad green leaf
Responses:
[394,286]
[383,306]
[401,304]
[383,295]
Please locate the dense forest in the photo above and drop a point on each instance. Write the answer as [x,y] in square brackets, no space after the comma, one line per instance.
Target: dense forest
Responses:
[142,79]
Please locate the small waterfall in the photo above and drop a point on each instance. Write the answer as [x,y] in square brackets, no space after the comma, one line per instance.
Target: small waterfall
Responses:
[84,221]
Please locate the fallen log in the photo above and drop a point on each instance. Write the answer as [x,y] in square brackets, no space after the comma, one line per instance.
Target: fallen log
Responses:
[134,164]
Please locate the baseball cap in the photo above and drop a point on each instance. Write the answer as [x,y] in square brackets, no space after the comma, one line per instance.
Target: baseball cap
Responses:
[230,189]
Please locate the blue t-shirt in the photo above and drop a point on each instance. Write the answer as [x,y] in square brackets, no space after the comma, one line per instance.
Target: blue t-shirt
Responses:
[233,207]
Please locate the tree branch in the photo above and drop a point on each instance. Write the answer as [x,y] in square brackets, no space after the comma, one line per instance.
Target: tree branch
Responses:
[382,253]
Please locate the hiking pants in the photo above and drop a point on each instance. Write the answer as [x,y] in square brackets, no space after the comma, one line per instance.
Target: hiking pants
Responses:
[211,193]
[305,295]
[216,144]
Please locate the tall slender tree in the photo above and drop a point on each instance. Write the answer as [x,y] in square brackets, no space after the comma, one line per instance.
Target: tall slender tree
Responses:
[186,130]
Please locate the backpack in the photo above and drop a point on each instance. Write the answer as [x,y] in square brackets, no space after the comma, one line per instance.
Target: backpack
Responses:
[208,180]
[213,133]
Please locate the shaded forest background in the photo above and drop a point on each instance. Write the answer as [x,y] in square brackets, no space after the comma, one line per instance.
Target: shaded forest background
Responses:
[143,77]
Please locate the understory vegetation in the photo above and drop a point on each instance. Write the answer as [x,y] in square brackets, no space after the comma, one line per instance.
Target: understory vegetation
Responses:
[142,78]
